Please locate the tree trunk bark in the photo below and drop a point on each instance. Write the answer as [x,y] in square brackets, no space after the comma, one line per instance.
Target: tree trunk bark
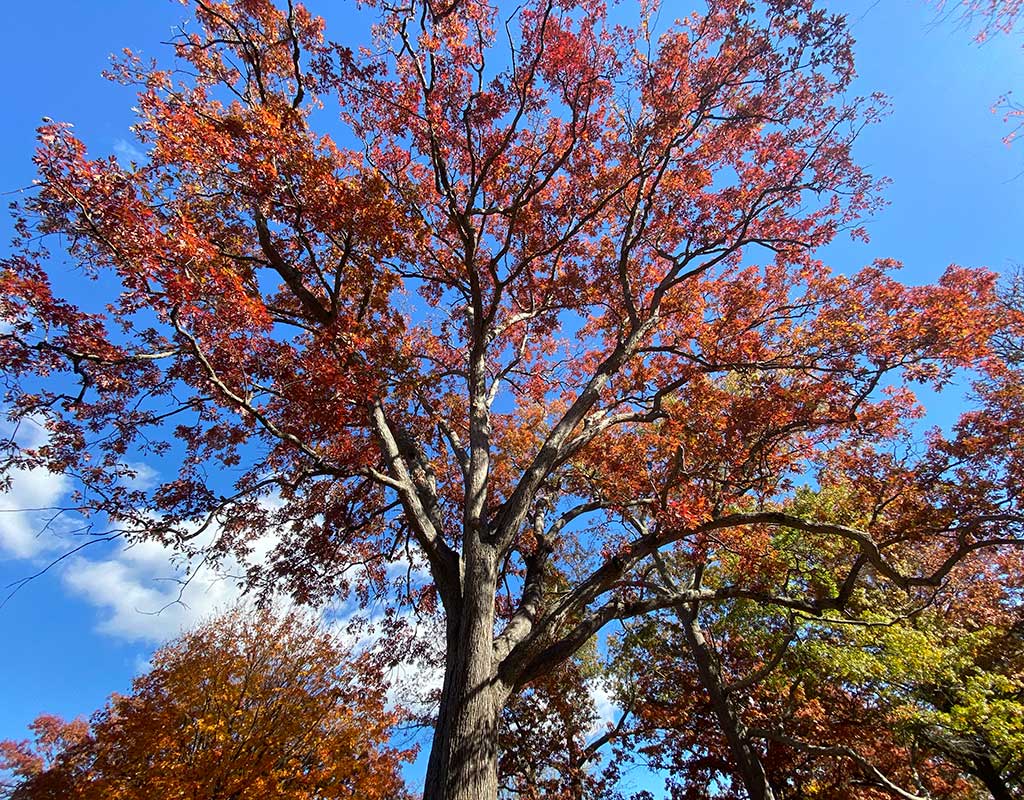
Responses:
[748,760]
[989,774]
[463,762]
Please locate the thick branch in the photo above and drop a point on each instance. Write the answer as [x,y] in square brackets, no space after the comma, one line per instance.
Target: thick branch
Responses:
[291,276]
[444,563]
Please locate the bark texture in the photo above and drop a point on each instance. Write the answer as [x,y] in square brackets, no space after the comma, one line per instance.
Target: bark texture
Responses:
[463,762]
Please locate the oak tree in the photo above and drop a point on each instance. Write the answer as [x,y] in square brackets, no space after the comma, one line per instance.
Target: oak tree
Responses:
[545,308]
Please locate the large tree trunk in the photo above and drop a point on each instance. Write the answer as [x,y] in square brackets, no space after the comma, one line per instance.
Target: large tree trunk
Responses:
[463,762]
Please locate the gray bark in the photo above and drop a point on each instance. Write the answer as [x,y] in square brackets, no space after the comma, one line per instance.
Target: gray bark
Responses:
[463,762]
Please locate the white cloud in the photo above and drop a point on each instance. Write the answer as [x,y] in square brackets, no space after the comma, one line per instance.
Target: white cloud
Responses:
[143,604]
[411,681]
[413,684]
[145,476]
[141,664]
[137,587]
[608,712]
[146,592]
[29,520]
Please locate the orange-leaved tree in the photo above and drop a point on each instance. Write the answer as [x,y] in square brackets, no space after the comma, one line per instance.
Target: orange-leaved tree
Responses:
[52,765]
[546,305]
[248,705]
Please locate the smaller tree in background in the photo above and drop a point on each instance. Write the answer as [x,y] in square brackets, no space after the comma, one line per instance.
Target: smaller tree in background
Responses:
[899,696]
[51,766]
[554,743]
[249,705]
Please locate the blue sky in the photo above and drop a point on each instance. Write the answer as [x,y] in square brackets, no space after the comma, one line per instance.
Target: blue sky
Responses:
[80,632]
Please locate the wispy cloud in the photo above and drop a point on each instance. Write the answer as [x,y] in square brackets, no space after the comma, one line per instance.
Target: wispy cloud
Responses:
[143,591]
[147,593]
[27,516]
[127,152]
[144,596]
[608,711]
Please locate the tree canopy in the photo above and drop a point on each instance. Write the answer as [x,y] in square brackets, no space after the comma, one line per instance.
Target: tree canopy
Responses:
[527,302]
